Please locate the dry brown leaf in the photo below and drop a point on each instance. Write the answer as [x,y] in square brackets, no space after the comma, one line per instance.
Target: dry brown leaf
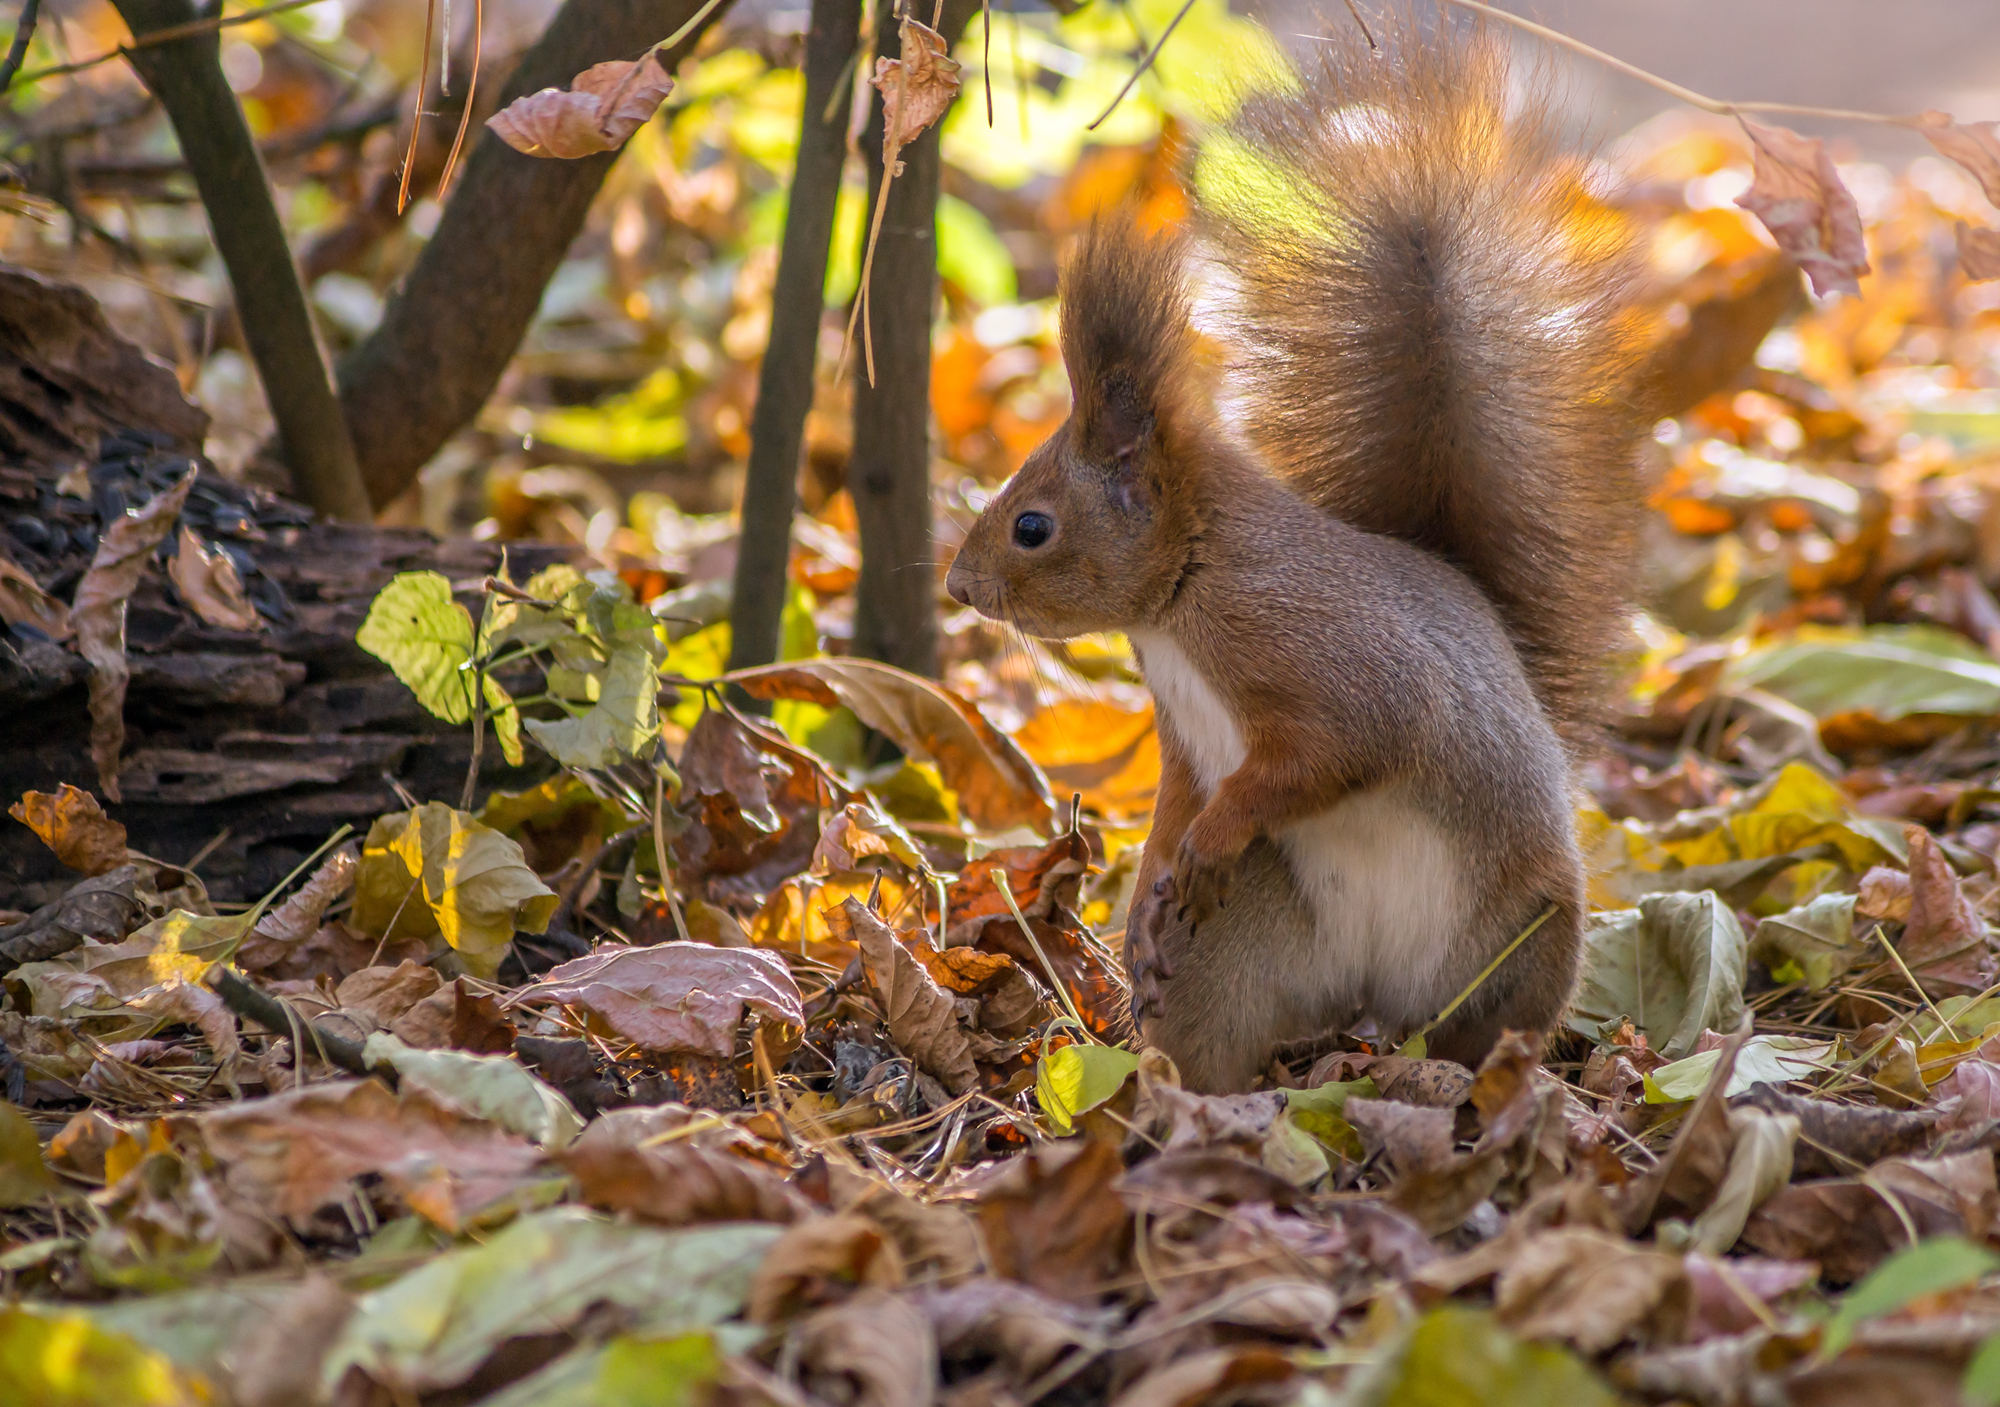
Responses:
[1041,878]
[817,1258]
[376,996]
[873,1350]
[998,787]
[23,602]
[604,106]
[917,88]
[1944,940]
[1798,195]
[278,1359]
[937,1244]
[295,1152]
[858,831]
[678,1183]
[208,581]
[755,801]
[674,996]
[297,919]
[74,826]
[98,613]
[1218,1374]
[1978,252]
[1591,1289]
[1849,1225]
[1973,145]
[1719,1289]
[1054,1219]
[1885,894]
[923,1018]
[1000,1319]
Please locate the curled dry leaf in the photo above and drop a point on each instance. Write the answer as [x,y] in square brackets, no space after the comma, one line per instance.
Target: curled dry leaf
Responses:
[23,602]
[1849,1225]
[1944,939]
[622,1165]
[872,1350]
[818,1256]
[98,613]
[998,786]
[604,106]
[675,996]
[1799,197]
[297,919]
[208,581]
[1978,252]
[1054,1219]
[917,88]
[923,1018]
[1973,145]
[74,826]
[999,1319]
[1591,1289]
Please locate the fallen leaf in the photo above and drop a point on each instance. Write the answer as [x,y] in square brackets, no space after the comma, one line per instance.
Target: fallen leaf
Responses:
[923,1018]
[1460,1355]
[998,787]
[98,613]
[1798,195]
[1108,754]
[492,1087]
[1042,879]
[376,996]
[1885,894]
[1729,1293]
[1219,1374]
[917,88]
[294,1152]
[1054,1221]
[56,1358]
[280,1361]
[1024,1329]
[1592,1290]
[622,1167]
[23,602]
[24,1177]
[1762,1059]
[159,1226]
[872,1350]
[208,581]
[297,919]
[1836,1138]
[437,870]
[1930,1267]
[858,831]
[755,802]
[1944,939]
[1673,966]
[820,1258]
[1760,1163]
[1849,1225]
[1074,1079]
[1813,943]
[72,824]
[674,996]
[436,1325]
[604,106]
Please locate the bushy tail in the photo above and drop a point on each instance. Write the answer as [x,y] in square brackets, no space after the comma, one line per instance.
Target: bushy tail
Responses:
[1431,323]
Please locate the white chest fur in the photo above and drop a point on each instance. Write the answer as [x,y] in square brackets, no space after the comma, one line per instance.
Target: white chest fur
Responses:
[1385,883]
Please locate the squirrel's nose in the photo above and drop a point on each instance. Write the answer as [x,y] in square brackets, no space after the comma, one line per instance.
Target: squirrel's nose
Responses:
[955,588]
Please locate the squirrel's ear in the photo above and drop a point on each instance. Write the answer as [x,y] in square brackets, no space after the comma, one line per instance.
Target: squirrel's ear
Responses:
[1126,337]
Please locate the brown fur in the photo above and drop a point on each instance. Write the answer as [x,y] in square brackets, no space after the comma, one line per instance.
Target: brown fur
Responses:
[1392,630]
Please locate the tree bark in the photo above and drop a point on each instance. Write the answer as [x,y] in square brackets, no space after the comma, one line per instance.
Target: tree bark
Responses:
[785,381]
[186,76]
[450,330]
[895,615]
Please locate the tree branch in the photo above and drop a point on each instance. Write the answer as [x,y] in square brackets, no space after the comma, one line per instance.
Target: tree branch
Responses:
[186,76]
[17,52]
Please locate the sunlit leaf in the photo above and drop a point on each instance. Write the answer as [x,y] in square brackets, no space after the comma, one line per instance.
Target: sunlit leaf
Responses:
[437,870]
[1930,1267]
[1074,1079]
[1761,1059]
[624,719]
[53,1358]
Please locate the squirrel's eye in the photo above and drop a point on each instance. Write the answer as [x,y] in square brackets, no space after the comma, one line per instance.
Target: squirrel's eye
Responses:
[1033,529]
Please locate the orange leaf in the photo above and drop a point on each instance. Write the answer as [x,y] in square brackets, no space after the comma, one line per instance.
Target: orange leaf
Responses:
[917,88]
[72,824]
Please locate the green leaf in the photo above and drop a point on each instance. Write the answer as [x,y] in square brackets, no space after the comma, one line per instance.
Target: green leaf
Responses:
[1077,1078]
[1762,1060]
[416,629]
[971,256]
[1320,1112]
[436,870]
[1816,940]
[1981,1387]
[494,1087]
[1891,671]
[434,1327]
[24,1177]
[671,1372]
[1458,1357]
[1674,965]
[1927,1268]
[625,718]
[56,1359]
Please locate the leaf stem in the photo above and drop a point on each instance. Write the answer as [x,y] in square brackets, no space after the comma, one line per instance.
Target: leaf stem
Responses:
[1000,882]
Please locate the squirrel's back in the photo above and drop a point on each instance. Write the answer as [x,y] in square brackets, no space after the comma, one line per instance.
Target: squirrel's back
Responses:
[1430,319]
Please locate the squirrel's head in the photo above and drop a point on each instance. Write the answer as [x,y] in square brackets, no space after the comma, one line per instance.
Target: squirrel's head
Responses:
[1095,530]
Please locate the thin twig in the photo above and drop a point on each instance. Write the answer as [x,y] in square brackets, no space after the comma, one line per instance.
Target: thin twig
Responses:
[1487,972]
[1686,95]
[471,93]
[1006,889]
[417,111]
[1144,64]
[24,32]
[165,36]
[1950,1030]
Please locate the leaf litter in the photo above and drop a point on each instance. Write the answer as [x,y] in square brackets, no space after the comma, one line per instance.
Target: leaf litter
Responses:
[730,1060]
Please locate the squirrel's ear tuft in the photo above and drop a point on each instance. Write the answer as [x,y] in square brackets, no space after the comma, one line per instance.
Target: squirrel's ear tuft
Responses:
[1126,337]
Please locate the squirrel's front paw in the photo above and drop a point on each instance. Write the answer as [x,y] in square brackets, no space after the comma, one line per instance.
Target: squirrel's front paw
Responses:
[1145,961]
[1201,879]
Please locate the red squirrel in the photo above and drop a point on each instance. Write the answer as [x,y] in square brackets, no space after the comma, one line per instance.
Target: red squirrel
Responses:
[1371,558]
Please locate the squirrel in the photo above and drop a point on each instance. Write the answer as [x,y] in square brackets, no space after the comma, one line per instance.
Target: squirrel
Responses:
[1371,565]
